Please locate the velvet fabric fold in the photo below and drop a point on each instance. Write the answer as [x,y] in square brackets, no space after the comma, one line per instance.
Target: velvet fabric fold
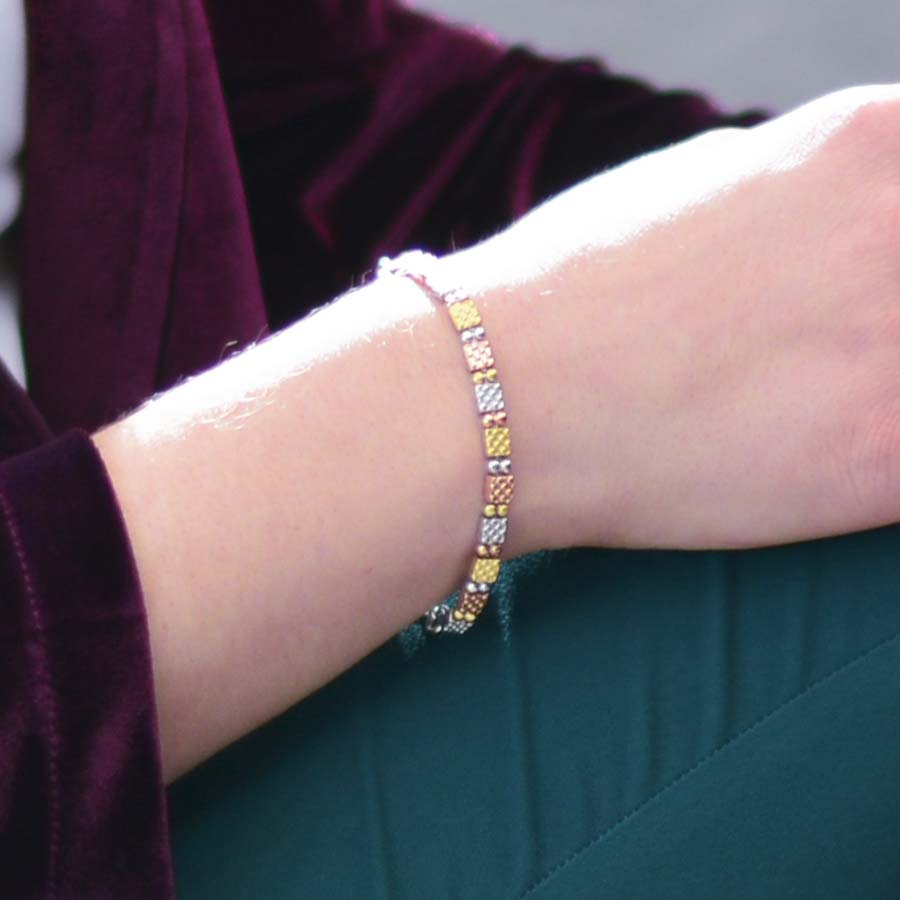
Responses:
[132,189]
[423,134]
[82,811]
[192,183]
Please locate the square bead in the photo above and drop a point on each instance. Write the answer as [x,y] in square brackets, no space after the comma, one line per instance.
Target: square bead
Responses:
[496,441]
[464,314]
[485,570]
[478,355]
[472,603]
[458,623]
[499,488]
[493,531]
[489,396]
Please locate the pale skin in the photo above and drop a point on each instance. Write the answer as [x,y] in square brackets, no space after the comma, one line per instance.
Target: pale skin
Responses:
[700,349]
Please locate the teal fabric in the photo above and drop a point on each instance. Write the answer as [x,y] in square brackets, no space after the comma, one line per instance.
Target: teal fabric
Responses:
[624,724]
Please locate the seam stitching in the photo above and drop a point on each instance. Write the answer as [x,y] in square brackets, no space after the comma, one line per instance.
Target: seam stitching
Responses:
[45,694]
[598,838]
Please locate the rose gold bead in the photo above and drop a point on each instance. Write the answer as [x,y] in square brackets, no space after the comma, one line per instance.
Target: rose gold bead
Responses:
[499,488]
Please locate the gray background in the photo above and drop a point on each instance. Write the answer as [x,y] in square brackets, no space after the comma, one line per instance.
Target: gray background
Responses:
[742,54]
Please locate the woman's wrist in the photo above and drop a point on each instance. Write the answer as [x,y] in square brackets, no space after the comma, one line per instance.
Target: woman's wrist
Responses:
[710,335]
[295,507]
[530,298]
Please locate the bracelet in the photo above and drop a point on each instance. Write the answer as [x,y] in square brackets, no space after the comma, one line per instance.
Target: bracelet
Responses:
[499,480]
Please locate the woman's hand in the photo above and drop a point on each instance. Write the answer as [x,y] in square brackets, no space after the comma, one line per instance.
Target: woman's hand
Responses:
[713,336]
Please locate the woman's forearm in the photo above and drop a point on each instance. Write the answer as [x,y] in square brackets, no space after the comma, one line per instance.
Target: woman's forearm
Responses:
[297,505]
[698,349]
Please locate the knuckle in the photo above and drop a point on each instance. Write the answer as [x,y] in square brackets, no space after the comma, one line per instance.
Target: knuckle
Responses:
[867,233]
[885,223]
[870,124]
[872,467]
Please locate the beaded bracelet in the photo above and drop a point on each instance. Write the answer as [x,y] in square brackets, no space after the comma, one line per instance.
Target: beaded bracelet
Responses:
[499,480]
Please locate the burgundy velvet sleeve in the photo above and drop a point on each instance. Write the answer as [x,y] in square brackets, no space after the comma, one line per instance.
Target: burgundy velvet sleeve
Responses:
[82,803]
[363,128]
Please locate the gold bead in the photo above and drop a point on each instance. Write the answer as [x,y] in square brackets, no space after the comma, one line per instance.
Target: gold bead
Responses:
[478,377]
[457,614]
[503,509]
[486,570]
[464,314]
[483,551]
[490,510]
[496,442]
[470,617]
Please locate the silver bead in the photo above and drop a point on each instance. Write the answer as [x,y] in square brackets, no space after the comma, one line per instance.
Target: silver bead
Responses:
[483,587]
[489,396]
[494,467]
[471,587]
[457,626]
[493,531]
[455,295]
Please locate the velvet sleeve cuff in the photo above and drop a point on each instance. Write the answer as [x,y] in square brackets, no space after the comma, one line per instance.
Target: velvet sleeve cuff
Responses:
[82,800]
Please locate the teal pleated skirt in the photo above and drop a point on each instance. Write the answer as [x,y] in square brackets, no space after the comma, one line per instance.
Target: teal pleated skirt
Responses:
[620,725]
